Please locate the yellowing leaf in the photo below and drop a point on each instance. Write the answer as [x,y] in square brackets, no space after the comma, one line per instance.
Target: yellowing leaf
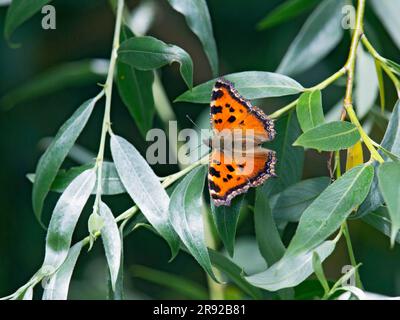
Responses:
[354,156]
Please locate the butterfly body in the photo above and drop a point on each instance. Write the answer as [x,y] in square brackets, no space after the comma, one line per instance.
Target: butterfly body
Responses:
[237,161]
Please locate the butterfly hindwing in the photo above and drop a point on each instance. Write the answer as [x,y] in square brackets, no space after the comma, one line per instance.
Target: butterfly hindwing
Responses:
[228,177]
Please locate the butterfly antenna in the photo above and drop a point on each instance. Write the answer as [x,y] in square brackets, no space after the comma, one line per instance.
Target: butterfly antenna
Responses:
[194,123]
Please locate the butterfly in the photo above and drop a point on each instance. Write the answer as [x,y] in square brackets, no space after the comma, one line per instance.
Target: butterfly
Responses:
[237,159]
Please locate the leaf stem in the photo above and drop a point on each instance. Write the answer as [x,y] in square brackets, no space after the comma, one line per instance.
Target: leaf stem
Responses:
[322,85]
[106,127]
[366,139]
[350,250]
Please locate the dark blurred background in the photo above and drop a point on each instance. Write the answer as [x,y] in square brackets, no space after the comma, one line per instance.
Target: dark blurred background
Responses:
[84,31]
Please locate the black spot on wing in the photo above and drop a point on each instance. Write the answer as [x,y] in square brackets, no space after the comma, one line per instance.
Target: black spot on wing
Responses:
[229,177]
[232,119]
[214,186]
[231,109]
[214,172]
[216,109]
[217,94]
[230,168]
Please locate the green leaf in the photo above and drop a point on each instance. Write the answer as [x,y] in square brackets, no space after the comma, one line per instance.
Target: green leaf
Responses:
[319,271]
[309,110]
[226,219]
[267,235]
[64,218]
[144,188]
[291,270]
[284,12]
[290,158]
[198,19]
[319,35]
[186,216]
[111,184]
[331,208]
[148,53]
[331,136]
[387,11]
[366,90]
[391,142]
[57,285]
[66,75]
[135,89]
[380,220]
[234,273]
[50,162]
[250,84]
[20,11]
[187,288]
[389,177]
[290,204]
[111,241]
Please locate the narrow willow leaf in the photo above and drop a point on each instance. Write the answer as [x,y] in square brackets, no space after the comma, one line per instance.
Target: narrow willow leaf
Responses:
[177,283]
[50,162]
[135,89]
[291,270]
[226,219]
[331,208]
[380,220]
[64,218]
[144,188]
[290,165]
[389,177]
[111,241]
[319,271]
[117,293]
[355,156]
[186,216]
[285,12]
[309,110]
[250,84]
[319,35]
[391,142]
[111,183]
[148,53]
[267,235]
[366,90]
[331,136]
[20,11]
[290,204]
[66,75]
[234,273]
[57,286]
[199,21]
[387,11]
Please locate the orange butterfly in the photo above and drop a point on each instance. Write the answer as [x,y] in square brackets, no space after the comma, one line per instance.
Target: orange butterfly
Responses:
[237,160]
